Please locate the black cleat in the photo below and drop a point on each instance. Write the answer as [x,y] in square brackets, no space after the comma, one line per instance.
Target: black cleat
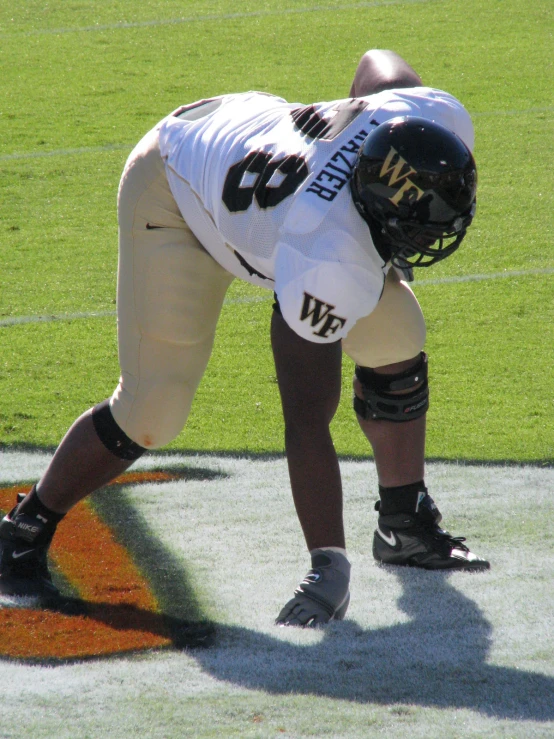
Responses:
[24,544]
[416,540]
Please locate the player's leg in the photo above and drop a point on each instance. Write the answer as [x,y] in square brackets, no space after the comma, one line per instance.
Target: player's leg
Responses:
[170,293]
[381,69]
[390,340]
[391,400]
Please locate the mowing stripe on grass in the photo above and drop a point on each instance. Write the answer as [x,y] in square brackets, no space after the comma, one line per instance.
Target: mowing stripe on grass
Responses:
[212,17]
[18,320]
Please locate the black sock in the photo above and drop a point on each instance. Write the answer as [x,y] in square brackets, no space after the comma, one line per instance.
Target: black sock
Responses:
[47,520]
[33,506]
[401,499]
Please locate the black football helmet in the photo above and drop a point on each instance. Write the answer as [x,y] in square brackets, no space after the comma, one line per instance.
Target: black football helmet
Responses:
[416,182]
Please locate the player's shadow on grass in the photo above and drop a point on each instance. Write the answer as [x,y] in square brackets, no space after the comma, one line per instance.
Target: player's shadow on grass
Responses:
[182,633]
[438,658]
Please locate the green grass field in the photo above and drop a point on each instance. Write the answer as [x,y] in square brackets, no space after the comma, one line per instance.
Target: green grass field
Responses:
[80,84]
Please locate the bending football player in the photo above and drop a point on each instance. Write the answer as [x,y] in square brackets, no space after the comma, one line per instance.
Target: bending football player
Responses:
[330,206]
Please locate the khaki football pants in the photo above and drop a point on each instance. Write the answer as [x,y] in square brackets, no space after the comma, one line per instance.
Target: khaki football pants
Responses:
[169,296]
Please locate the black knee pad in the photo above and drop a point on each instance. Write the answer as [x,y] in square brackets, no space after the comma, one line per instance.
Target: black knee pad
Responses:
[113,438]
[380,400]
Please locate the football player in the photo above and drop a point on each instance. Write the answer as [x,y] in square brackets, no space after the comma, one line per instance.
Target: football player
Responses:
[330,206]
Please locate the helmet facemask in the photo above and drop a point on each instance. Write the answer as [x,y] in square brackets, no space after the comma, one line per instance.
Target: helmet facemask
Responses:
[415,245]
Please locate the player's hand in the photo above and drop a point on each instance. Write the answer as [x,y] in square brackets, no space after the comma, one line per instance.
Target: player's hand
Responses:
[303,611]
[323,595]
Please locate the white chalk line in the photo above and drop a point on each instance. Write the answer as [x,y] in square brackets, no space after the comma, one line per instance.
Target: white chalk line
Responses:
[65,152]
[19,320]
[479,278]
[128,147]
[50,318]
[544,109]
[124,25]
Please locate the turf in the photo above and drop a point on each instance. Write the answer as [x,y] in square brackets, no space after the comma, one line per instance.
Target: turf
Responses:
[80,84]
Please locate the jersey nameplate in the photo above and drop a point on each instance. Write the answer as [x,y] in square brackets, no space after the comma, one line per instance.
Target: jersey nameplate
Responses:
[337,171]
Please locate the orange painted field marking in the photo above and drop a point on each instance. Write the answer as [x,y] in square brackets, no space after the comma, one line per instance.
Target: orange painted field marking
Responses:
[122,613]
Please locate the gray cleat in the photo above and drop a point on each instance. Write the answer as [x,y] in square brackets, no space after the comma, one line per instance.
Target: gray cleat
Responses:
[323,595]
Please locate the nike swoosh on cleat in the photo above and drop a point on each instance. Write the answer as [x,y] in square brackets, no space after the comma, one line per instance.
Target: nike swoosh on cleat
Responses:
[150,226]
[17,555]
[389,539]
[312,577]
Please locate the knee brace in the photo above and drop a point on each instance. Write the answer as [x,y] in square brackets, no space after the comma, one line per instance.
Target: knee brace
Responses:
[114,439]
[393,397]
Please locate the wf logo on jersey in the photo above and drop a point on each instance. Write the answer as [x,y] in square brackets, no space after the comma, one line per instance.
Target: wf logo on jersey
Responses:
[320,316]
[397,171]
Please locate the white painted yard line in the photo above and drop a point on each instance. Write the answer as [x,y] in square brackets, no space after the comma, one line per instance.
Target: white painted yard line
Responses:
[544,109]
[65,152]
[123,25]
[18,320]
[478,278]
[127,147]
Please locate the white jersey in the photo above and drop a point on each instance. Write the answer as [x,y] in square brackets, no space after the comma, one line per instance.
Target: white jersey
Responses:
[263,184]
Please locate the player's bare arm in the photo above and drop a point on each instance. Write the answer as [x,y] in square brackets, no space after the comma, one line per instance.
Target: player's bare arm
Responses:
[382,69]
[309,378]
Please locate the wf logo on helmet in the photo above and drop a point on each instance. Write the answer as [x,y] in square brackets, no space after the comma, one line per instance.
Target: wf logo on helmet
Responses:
[395,169]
